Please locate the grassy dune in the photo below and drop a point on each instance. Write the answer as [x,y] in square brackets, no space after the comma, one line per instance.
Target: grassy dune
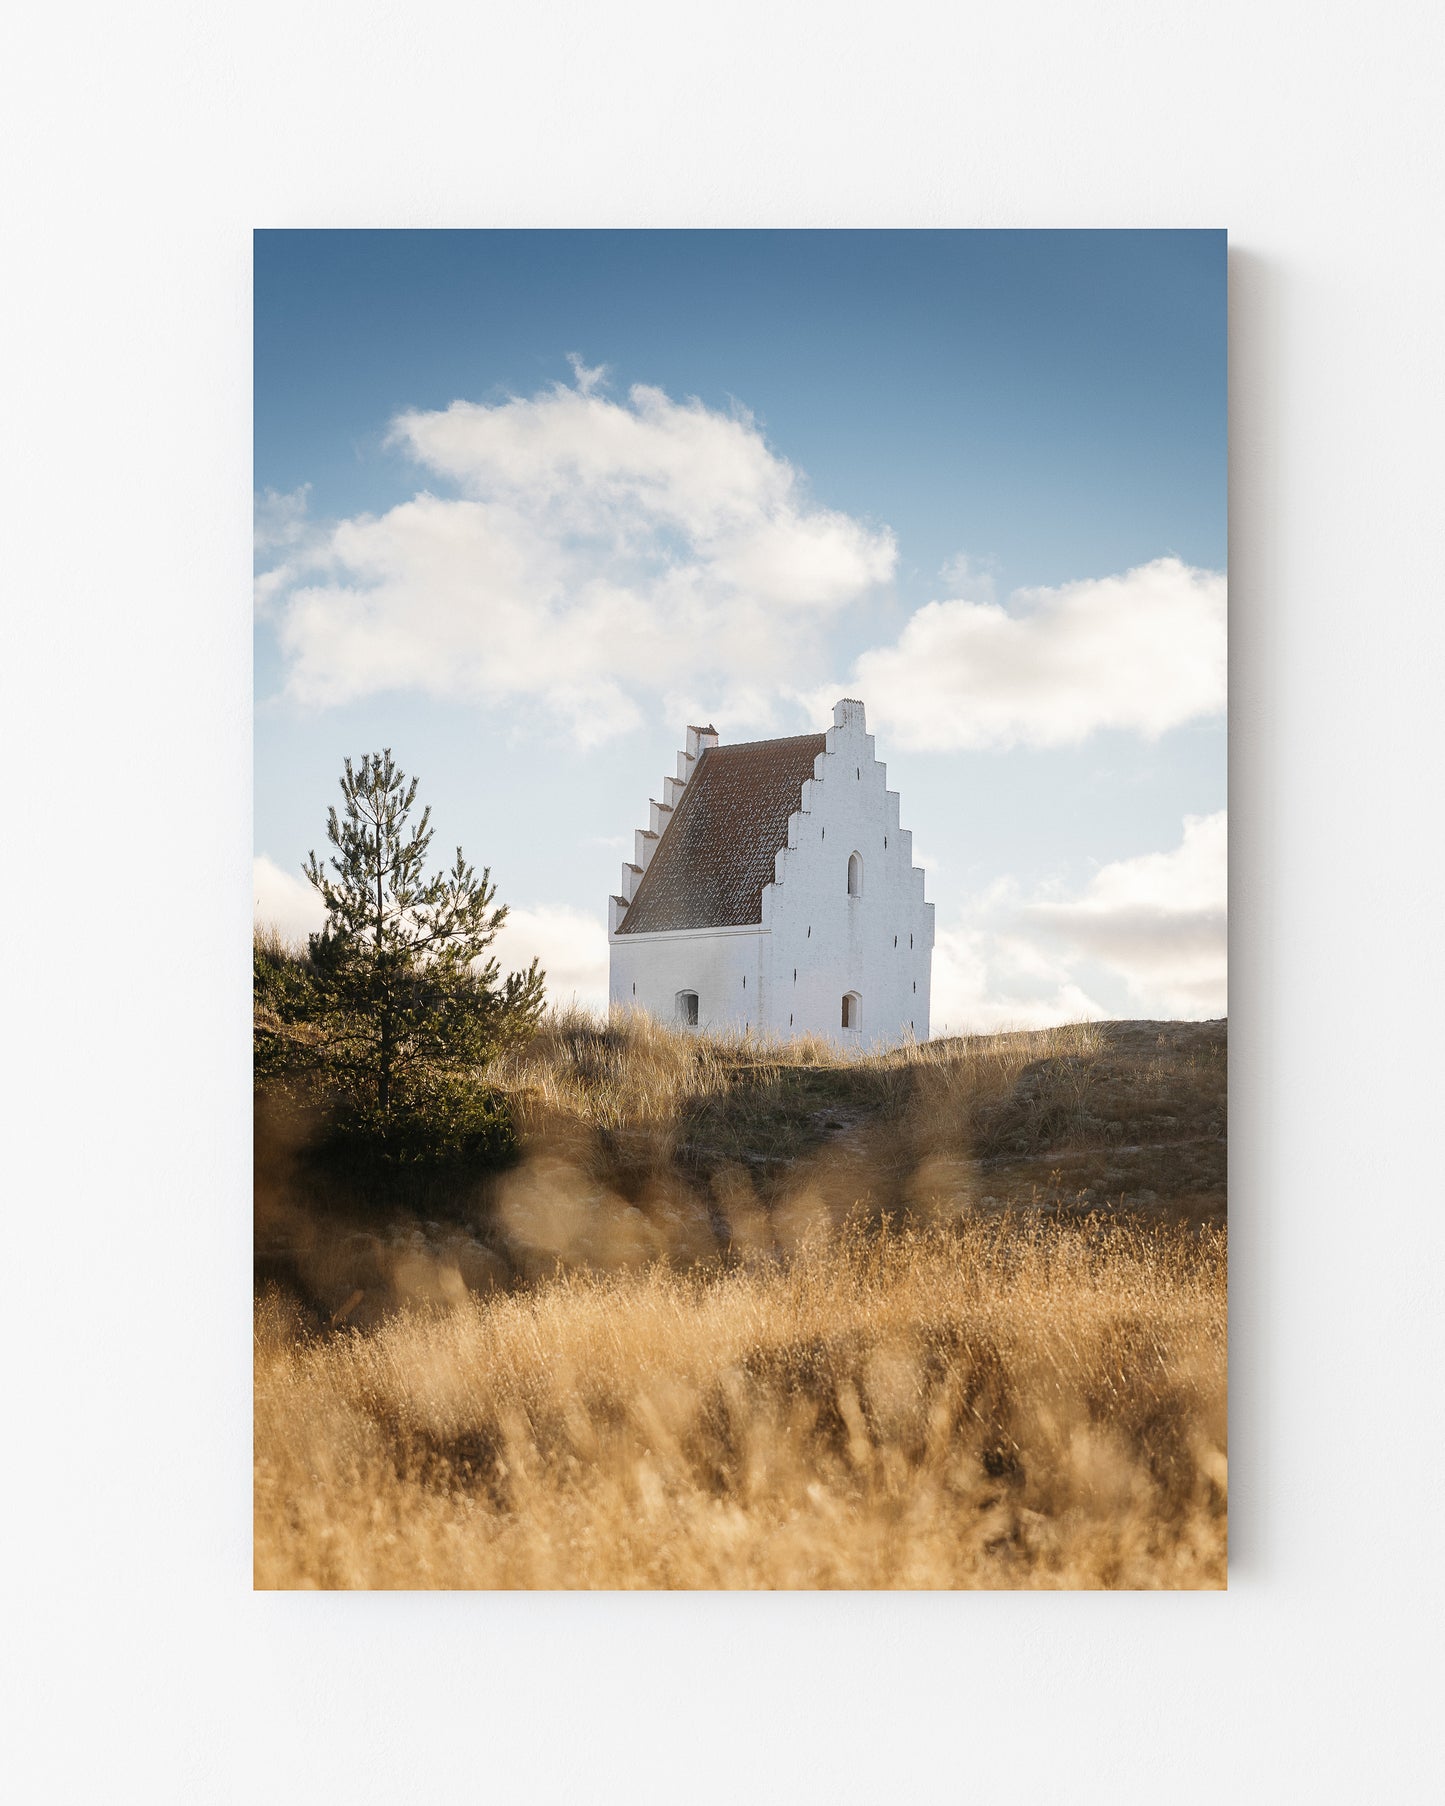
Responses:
[758,1316]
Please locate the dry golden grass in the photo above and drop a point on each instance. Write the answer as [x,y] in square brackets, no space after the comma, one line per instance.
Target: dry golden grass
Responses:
[983,1403]
[632,1070]
[752,1314]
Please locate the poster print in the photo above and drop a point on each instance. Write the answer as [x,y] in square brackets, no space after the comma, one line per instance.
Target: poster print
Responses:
[740,1033]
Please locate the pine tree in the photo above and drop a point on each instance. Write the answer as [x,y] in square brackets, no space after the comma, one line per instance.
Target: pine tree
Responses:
[400,965]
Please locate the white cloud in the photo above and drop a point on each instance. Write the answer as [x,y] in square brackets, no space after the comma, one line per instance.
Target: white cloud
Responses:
[280,517]
[1158,921]
[969,578]
[572,948]
[595,552]
[588,377]
[1154,925]
[987,976]
[284,901]
[1144,651]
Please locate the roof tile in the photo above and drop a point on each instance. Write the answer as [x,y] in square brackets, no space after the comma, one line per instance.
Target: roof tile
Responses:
[717,852]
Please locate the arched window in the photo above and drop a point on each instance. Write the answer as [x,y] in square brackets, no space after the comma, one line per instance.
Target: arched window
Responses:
[687,1008]
[855,875]
[852,1010]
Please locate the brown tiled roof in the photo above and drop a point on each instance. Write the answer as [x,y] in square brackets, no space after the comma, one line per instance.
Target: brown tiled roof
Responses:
[717,852]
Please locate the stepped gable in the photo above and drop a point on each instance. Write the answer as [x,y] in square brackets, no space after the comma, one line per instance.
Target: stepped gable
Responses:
[718,850]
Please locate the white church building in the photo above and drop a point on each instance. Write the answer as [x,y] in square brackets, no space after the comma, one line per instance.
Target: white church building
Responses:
[773,889]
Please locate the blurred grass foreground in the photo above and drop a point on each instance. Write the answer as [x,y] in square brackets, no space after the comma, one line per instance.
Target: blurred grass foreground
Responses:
[732,1314]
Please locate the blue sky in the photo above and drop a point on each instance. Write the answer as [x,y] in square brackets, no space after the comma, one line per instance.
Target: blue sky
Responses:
[981,474]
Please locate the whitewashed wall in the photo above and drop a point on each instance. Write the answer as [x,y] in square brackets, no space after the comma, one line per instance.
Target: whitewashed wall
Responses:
[723,965]
[878,944]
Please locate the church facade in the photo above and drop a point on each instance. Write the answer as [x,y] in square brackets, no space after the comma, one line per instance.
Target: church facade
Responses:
[773,889]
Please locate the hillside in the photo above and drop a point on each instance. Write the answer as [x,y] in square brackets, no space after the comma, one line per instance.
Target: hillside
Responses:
[744,1316]
[638,1141]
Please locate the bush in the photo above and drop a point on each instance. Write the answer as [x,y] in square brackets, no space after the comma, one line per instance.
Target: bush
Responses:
[450,1122]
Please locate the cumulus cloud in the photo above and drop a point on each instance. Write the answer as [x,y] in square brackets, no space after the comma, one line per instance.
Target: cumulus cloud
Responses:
[968,579]
[280,517]
[588,552]
[1144,651]
[1158,921]
[985,981]
[571,946]
[1153,928]
[989,973]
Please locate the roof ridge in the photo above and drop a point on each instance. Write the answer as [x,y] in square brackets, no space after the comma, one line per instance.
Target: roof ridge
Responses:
[777,740]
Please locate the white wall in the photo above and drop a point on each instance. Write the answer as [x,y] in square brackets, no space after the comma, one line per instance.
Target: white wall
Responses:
[878,944]
[723,965]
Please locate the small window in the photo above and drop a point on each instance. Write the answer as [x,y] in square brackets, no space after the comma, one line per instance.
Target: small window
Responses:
[795,974]
[885,843]
[851,1002]
[745,981]
[687,1008]
[858,771]
[915,987]
[895,940]
[634,990]
[855,875]
[790,1020]
[910,942]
